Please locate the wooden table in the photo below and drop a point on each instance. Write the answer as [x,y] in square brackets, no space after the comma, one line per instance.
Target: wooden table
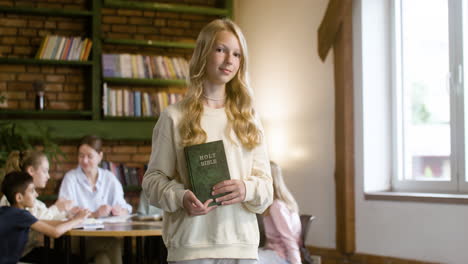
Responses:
[126,230]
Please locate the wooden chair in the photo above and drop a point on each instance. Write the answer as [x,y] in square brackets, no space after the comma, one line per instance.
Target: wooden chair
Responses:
[305,224]
[261,229]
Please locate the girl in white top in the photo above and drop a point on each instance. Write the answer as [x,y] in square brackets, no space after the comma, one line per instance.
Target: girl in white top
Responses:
[217,106]
[37,165]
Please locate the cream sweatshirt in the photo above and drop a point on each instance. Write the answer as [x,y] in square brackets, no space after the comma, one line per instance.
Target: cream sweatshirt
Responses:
[228,231]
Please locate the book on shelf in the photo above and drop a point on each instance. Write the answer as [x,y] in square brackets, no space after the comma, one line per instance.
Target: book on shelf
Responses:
[127,176]
[125,65]
[134,66]
[152,69]
[206,166]
[144,66]
[159,65]
[48,46]
[59,51]
[140,67]
[137,103]
[55,47]
[111,102]
[40,51]
[66,49]
[105,99]
[108,65]
[125,102]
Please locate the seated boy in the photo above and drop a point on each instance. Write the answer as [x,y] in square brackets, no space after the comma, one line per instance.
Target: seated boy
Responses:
[18,187]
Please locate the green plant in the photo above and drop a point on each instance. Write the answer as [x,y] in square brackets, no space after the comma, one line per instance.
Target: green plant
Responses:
[2,100]
[15,137]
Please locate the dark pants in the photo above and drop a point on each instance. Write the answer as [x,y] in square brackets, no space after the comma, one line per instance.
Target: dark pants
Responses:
[42,255]
[155,250]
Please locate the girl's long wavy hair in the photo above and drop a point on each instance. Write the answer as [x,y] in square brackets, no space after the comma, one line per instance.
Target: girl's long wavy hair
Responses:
[239,104]
[280,190]
[21,160]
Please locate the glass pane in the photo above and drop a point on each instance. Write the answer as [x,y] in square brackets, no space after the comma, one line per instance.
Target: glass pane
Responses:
[426,91]
[465,77]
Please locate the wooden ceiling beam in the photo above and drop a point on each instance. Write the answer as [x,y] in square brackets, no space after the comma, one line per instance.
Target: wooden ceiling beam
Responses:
[331,24]
[336,31]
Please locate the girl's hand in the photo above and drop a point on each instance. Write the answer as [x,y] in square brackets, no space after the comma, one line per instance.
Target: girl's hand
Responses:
[63,204]
[118,210]
[73,211]
[82,214]
[102,211]
[193,206]
[235,190]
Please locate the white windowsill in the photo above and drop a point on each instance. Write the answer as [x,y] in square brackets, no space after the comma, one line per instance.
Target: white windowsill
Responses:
[417,197]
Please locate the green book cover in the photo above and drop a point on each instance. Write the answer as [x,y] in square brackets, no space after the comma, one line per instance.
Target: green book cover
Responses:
[206,166]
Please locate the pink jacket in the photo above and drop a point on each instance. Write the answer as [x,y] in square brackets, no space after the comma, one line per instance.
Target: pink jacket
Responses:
[283,232]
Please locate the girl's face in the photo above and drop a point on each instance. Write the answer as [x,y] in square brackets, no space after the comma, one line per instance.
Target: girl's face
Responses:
[41,173]
[224,59]
[88,158]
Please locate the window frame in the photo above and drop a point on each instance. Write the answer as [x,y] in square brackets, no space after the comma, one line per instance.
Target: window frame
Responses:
[457,184]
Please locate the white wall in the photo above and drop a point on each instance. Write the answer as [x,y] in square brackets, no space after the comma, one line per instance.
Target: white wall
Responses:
[295,97]
[422,231]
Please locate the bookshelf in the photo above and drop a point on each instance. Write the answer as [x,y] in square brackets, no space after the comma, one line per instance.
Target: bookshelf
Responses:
[75,123]
[37,20]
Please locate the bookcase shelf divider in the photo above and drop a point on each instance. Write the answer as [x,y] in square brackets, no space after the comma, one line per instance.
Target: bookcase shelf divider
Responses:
[44,62]
[131,118]
[150,43]
[46,11]
[96,102]
[107,129]
[63,113]
[118,80]
[167,7]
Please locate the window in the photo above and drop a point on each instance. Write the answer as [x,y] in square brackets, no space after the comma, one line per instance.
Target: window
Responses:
[429,105]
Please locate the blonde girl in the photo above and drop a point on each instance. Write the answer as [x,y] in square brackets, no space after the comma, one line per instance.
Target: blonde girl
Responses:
[218,106]
[282,225]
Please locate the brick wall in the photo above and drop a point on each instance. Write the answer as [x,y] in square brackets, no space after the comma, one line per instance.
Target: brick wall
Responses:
[64,86]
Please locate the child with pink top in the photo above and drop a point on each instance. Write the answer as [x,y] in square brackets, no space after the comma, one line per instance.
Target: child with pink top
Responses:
[282,225]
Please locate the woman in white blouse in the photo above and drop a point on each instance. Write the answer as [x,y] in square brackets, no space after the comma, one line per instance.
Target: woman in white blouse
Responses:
[99,191]
[91,187]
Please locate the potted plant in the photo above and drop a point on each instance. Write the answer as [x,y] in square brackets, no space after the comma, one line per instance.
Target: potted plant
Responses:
[15,137]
